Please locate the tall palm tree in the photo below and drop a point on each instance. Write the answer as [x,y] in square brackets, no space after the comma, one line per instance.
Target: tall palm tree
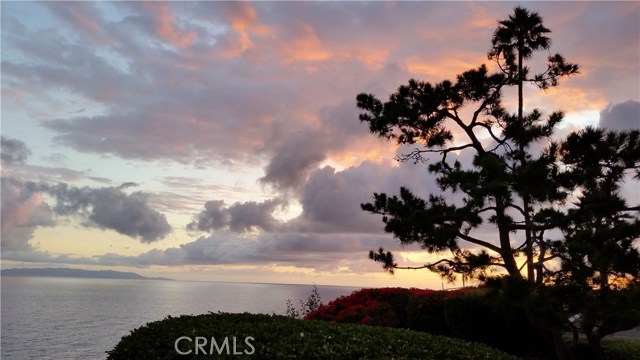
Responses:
[519,36]
[515,39]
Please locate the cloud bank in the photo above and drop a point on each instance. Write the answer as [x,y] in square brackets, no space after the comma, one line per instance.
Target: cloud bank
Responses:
[229,114]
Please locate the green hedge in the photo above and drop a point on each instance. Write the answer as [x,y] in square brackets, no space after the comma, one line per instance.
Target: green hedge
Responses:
[470,314]
[613,349]
[621,349]
[473,316]
[279,337]
[427,313]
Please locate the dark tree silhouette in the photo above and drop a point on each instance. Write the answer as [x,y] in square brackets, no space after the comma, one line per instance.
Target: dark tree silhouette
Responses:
[523,192]
[600,266]
[518,37]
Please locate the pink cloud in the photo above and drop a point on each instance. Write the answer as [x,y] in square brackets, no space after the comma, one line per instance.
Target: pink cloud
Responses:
[88,25]
[245,24]
[481,18]
[446,67]
[23,210]
[305,46]
[373,57]
[166,27]
[271,86]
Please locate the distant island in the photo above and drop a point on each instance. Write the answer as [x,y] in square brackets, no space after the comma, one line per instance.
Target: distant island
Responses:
[77,273]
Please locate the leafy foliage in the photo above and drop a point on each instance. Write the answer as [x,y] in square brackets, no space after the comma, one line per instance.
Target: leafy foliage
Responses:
[612,349]
[279,337]
[521,182]
[468,313]
[477,316]
[313,302]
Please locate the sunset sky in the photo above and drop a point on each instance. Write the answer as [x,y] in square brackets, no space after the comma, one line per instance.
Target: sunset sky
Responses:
[221,141]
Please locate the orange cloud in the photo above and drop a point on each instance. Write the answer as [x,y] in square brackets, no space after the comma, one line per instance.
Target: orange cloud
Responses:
[306,46]
[166,27]
[370,149]
[244,18]
[373,57]
[571,99]
[481,18]
[245,22]
[445,68]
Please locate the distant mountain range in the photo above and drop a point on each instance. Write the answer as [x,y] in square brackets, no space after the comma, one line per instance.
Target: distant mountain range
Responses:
[77,273]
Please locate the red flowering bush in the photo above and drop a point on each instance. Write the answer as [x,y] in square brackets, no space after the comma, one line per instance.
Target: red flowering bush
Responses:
[392,307]
[468,313]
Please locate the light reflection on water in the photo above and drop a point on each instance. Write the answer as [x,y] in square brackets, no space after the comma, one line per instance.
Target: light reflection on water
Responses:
[67,318]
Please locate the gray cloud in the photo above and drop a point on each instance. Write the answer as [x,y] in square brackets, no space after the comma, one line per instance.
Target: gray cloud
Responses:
[322,252]
[599,38]
[239,217]
[332,230]
[153,97]
[621,117]
[13,151]
[297,152]
[331,199]
[294,159]
[109,208]
[333,252]
[246,216]
[23,210]
[330,202]
[178,101]
[182,107]
[36,256]
[213,217]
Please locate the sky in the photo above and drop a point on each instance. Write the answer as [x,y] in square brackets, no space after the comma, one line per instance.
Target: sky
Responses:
[220,140]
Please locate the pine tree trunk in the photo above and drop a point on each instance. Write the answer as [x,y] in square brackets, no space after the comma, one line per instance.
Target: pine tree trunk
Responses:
[555,339]
[550,336]
[505,245]
[562,350]
[526,201]
[594,344]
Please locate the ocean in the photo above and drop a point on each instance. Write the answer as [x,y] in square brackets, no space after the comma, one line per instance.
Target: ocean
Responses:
[79,318]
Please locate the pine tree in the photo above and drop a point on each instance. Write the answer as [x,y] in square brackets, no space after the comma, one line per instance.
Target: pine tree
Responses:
[510,185]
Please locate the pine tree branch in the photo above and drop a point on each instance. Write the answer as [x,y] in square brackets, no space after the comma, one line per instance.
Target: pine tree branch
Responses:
[416,154]
[488,128]
[480,242]
[469,131]
[521,210]
[441,261]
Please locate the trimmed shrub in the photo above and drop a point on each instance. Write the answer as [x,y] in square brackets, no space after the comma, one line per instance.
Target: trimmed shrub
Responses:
[470,313]
[426,312]
[613,349]
[473,316]
[621,349]
[280,337]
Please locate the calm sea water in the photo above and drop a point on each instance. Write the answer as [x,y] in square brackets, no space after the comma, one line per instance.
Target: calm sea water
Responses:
[68,318]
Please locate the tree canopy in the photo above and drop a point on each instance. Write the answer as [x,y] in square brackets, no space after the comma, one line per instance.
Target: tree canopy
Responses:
[556,205]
